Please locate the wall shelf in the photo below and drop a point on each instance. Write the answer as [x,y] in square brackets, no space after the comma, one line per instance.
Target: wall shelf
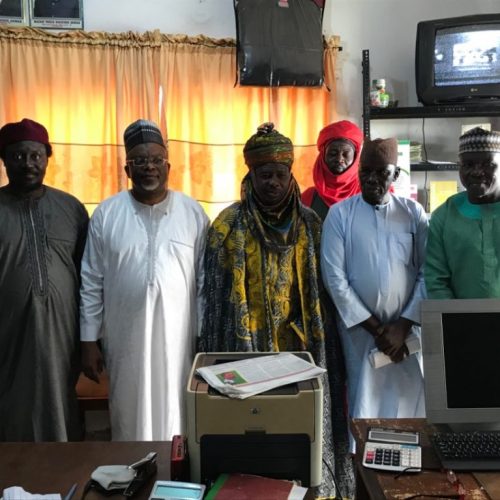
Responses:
[438,111]
[488,107]
[424,166]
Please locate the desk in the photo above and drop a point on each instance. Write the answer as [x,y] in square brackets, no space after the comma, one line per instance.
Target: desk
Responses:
[54,467]
[376,485]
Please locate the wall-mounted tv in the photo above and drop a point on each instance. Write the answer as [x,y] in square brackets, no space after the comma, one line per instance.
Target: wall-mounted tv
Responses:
[458,59]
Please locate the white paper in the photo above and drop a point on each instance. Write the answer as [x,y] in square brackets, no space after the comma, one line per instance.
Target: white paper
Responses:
[378,358]
[18,493]
[297,493]
[247,377]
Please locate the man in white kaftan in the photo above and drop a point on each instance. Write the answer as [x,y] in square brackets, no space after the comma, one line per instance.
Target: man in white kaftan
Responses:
[372,254]
[141,293]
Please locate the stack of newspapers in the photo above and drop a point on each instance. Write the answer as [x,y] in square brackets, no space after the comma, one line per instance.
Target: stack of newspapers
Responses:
[247,377]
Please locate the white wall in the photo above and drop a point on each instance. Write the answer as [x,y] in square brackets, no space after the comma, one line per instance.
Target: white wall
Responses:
[214,18]
[386,27]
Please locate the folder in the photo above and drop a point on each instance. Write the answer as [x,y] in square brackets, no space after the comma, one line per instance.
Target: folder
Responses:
[440,191]
[250,487]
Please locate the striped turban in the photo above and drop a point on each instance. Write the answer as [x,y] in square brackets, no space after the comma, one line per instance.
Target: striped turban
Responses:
[268,146]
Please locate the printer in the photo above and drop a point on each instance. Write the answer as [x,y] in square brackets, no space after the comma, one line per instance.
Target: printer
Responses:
[276,434]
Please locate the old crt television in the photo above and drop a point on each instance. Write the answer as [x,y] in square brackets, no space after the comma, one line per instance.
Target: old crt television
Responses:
[461,354]
[458,59]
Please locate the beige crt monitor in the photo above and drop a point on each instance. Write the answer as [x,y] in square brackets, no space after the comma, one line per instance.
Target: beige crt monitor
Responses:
[277,433]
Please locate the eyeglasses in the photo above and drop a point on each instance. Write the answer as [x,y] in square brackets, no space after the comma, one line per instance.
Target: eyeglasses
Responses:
[142,161]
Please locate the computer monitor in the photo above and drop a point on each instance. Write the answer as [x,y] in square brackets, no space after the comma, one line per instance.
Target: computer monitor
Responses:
[461,355]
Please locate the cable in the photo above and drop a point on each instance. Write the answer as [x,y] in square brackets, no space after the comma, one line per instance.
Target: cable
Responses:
[337,489]
[424,148]
[404,471]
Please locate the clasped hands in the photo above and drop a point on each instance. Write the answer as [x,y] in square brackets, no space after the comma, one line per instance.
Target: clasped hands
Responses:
[390,338]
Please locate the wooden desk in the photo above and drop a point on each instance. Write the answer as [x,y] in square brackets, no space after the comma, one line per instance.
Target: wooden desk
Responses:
[54,467]
[376,485]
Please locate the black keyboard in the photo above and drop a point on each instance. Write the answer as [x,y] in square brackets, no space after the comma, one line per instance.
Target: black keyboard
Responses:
[468,450]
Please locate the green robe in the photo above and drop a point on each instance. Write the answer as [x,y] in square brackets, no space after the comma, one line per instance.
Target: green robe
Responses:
[463,250]
[41,243]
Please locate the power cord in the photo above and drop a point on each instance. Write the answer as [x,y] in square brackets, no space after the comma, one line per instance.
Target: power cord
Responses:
[425,158]
[337,489]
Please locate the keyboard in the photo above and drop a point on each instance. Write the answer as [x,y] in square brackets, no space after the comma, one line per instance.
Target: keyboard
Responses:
[468,450]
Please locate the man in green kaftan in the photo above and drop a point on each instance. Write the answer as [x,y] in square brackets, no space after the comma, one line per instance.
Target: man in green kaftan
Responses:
[463,249]
[42,236]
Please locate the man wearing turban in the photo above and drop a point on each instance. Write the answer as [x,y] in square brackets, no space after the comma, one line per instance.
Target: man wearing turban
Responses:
[335,171]
[141,290]
[42,236]
[463,253]
[262,281]
[372,254]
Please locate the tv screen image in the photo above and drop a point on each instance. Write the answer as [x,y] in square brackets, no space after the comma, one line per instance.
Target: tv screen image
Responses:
[467,57]
[458,60]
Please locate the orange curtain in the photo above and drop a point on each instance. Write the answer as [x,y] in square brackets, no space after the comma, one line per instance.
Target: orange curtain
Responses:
[209,119]
[87,87]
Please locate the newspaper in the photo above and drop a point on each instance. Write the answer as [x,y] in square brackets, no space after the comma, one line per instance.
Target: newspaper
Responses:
[247,377]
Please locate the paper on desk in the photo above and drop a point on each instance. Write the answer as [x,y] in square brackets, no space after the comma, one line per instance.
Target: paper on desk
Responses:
[247,377]
[18,493]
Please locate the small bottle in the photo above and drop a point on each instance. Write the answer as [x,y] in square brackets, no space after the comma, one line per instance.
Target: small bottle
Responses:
[383,96]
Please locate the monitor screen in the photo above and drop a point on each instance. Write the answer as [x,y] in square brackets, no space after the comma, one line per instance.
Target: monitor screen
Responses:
[461,346]
[457,60]
[467,55]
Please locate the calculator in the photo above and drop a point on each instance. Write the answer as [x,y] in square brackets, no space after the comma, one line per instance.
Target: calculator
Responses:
[393,457]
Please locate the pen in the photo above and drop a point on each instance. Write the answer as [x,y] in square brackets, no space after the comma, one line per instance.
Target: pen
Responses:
[71,492]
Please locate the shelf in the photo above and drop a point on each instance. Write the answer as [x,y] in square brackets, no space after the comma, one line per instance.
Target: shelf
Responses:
[433,167]
[437,111]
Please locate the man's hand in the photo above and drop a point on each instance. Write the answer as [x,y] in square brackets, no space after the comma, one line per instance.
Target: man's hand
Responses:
[92,360]
[372,325]
[392,337]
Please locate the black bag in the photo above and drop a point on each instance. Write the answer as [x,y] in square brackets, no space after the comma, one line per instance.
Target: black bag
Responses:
[279,42]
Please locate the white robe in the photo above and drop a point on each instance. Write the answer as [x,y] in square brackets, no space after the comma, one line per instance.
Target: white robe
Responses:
[371,260]
[141,294]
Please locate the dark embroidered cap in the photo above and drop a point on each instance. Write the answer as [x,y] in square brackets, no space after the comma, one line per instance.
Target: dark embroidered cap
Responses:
[380,152]
[25,130]
[140,132]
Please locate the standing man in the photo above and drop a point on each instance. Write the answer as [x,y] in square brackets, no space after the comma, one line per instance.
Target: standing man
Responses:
[141,284]
[335,171]
[372,253]
[463,252]
[42,236]
[262,281]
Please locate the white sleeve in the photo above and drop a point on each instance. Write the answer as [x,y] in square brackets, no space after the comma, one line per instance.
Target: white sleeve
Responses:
[411,310]
[92,275]
[334,269]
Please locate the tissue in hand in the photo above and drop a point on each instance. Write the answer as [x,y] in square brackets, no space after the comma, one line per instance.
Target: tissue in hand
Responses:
[378,358]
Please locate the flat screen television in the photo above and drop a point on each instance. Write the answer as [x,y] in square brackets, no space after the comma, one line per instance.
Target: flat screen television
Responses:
[458,59]
[461,356]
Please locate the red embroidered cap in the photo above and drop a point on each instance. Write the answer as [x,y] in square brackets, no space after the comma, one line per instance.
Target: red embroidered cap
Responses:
[25,130]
